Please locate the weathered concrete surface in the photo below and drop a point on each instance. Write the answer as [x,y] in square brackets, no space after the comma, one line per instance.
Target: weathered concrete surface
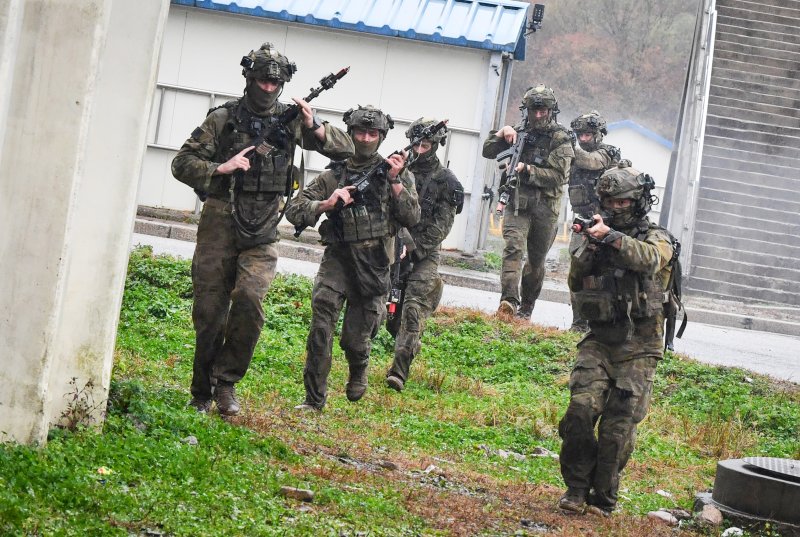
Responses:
[75,123]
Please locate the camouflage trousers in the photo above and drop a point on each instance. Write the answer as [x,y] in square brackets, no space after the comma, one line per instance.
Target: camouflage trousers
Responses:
[335,288]
[531,232]
[421,297]
[612,391]
[229,287]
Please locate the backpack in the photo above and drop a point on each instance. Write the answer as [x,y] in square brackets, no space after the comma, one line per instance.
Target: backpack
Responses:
[673,303]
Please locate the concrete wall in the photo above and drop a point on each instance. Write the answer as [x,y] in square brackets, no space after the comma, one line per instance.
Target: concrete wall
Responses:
[80,84]
[408,79]
[735,185]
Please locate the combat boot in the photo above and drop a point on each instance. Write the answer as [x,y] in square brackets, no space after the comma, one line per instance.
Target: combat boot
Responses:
[307,407]
[574,500]
[356,383]
[395,383]
[225,397]
[200,405]
[525,311]
[506,309]
[596,510]
[580,327]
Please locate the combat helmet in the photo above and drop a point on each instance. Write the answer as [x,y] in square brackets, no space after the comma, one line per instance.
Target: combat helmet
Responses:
[267,63]
[368,117]
[415,130]
[624,182]
[592,123]
[540,96]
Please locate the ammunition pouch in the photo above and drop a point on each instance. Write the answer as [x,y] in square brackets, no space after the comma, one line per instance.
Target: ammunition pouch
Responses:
[582,196]
[596,305]
[357,223]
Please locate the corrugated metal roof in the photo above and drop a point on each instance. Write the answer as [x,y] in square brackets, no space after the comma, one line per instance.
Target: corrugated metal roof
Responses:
[484,24]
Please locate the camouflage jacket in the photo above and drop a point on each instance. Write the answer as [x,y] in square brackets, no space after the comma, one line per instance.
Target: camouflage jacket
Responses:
[548,178]
[645,252]
[587,168]
[194,164]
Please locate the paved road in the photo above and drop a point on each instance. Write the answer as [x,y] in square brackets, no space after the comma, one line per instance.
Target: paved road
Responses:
[763,352]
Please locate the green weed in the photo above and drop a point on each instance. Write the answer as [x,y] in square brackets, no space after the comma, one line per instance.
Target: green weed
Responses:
[454,454]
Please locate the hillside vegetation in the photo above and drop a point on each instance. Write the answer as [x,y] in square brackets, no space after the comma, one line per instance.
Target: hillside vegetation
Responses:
[468,449]
[624,58]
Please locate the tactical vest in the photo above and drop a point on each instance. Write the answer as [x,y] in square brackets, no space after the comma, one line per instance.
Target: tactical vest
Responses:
[367,217]
[441,186]
[536,151]
[615,294]
[268,174]
[582,183]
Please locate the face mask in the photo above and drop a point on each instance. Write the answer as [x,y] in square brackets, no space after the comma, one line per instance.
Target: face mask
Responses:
[258,100]
[365,150]
[621,218]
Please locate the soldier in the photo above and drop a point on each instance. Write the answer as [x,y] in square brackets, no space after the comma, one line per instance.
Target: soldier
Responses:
[357,235]
[543,171]
[234,261]
[441,197]
[592,158]
[619,273]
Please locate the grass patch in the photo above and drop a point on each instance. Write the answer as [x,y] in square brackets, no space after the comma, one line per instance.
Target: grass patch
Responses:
[433,460]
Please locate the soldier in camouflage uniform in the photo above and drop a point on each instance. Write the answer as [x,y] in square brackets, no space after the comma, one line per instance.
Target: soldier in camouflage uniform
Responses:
[358,238]
[234,261]
[592,158]
[532,224]
[619,273]
[441,197]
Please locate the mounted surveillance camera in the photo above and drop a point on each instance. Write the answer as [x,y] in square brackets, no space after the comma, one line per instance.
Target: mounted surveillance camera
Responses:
[536,19]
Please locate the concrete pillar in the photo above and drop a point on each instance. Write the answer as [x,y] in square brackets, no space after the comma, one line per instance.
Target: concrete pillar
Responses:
[81,87]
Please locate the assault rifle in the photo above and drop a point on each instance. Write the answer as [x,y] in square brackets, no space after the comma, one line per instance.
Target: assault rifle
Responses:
[580,224]
[367,178]
[513,154]
[274,133]
[399,274]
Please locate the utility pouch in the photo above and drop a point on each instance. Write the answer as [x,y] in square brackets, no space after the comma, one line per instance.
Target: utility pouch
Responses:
[578,196]
[371,269]
[595,305]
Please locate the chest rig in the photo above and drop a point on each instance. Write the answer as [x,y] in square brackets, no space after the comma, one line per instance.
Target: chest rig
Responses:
[582,183]
[536,151]
[616,295]
[268,172]
[367,217]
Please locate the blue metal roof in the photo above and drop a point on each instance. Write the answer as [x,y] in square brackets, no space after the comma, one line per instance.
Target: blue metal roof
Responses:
[485,24]
[644,131]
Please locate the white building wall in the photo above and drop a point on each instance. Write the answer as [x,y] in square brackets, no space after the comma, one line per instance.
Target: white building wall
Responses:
[647,156]
[405,78]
